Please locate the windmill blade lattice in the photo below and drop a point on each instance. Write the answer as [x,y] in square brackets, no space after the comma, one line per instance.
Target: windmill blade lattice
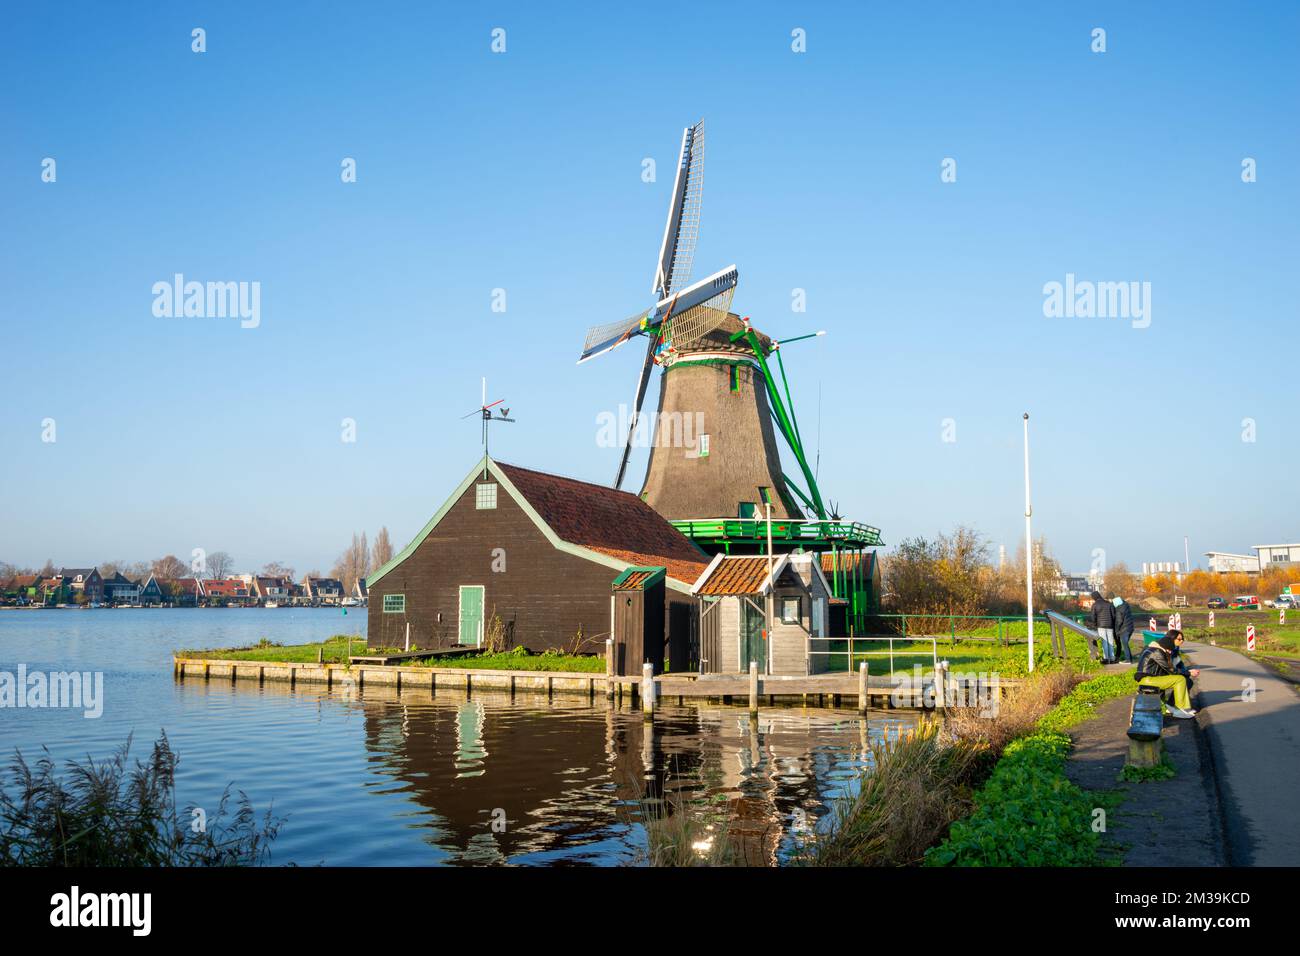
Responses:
[602,338]
[698,321]
[688,231]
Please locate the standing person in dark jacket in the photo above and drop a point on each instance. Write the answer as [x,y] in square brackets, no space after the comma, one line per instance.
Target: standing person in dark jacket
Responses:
[1123,627]
[1102,620]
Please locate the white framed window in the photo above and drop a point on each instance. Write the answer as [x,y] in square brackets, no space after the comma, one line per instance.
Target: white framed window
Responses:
[394,603]
[485,495]
[790,610]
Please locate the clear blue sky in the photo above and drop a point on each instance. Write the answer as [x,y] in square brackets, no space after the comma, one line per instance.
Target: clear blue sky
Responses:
[523,171]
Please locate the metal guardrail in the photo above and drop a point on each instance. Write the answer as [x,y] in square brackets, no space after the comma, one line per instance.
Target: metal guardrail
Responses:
[852,654]
[954,633]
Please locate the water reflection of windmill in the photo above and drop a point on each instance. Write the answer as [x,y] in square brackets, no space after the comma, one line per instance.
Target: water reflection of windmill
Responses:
[715,463]
[484,412]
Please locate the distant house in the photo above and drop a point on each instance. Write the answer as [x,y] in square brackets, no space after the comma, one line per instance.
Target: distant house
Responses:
[733,595]
[271,589]
[84,583]
[232,592]
[323,590]
[185,592]
[151,592]
[118,589]
[530,558]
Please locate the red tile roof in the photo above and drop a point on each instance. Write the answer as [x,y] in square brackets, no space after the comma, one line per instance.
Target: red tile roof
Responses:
[736,575]
[614,523]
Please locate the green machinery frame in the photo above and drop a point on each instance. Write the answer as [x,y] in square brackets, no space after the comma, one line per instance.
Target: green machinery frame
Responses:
[853,567]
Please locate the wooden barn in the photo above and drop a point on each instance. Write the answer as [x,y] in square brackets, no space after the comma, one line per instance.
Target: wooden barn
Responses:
[516,557]
[733,614]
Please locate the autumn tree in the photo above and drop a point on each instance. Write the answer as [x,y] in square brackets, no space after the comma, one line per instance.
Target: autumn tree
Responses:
[1121,581]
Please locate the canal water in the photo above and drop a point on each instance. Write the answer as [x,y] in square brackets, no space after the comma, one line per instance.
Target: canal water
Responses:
[412,779]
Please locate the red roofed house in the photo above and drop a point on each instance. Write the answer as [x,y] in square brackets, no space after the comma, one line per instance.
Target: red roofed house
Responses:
[538,552]
[231,592]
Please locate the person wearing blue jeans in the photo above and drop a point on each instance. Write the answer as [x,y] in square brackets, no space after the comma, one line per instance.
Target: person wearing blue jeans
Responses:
[1102,620]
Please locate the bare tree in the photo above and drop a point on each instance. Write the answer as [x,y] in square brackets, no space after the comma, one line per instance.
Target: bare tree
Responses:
[220,564]
[109,568]
[170,568]
[49,570]
[354,563]
[277,569]
[382,552]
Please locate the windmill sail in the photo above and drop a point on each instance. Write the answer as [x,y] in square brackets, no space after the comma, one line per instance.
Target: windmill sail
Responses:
[602,338]
[677,252]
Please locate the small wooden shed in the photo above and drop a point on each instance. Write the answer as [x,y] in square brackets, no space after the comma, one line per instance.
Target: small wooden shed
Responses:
[733,594]
[637,613]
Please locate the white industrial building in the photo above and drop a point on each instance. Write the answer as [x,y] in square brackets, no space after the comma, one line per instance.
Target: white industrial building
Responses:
[1225,562]
[1277,554]
[1161,567]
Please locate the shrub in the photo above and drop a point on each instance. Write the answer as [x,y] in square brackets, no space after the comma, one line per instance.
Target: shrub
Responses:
[107,815]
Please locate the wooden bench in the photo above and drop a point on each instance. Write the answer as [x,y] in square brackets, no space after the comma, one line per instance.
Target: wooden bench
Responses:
[1145,726]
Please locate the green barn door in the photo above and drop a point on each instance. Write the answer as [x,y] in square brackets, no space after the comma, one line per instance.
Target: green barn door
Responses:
[752,645]
[471,614]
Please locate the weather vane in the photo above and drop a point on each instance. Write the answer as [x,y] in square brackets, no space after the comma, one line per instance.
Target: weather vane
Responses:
[484,411]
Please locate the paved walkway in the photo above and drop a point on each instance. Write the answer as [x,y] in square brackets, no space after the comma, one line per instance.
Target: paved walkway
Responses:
[1255,745]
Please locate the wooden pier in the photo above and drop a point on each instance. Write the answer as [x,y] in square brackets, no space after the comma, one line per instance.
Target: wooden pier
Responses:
[857,690]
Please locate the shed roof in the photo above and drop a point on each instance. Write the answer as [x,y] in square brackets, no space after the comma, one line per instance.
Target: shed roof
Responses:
[738,574]
[638,579]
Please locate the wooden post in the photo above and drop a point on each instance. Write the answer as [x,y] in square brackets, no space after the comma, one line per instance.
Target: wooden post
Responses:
[320,655]
[609,668]
[648,689]
[753,687]
[408,639]
[862,688]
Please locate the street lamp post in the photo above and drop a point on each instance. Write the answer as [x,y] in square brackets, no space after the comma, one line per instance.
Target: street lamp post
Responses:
[1029,551]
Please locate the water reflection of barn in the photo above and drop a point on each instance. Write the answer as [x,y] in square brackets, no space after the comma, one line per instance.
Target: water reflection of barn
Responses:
[569,777]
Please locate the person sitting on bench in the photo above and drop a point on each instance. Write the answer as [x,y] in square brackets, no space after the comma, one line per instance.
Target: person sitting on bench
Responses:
[1162,667]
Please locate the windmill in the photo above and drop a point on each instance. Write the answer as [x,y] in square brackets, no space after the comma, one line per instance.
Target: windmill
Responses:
[715,452]
[683,313]
[715,464]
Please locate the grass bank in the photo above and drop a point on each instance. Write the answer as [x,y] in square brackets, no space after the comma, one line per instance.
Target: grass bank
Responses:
[338,648]
[973,790]
[1028,813]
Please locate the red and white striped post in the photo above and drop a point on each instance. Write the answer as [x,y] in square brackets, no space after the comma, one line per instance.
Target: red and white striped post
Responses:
[1153,624]
[1211,619]
[1281,615]
[1250,637]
